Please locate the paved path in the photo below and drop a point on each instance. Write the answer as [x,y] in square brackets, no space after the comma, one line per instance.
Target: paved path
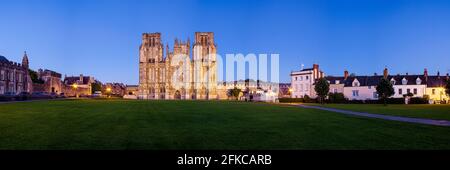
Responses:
[385,117]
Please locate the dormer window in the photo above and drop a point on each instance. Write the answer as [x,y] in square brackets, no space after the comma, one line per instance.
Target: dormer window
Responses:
[355,83]
[418,81]
[404,81]
[392,81]
[337,82]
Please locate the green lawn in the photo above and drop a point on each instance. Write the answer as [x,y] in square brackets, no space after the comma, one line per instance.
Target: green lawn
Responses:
[439,112]
[132,124]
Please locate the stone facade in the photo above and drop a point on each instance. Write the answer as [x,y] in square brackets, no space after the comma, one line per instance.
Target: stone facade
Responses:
[78,85]
[52,82]
[14,77]
[114,89]
[175,75]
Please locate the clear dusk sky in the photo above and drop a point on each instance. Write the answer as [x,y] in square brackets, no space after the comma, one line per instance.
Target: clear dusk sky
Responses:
[101,37]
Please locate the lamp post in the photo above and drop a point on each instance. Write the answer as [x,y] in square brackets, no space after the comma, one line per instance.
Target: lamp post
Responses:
[108,91]
[75,87]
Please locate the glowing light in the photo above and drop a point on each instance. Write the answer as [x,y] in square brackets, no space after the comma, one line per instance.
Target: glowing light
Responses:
[75,86]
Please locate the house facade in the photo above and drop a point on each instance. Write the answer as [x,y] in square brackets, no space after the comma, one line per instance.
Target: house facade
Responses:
[302,81]
[364,87]
[78,85]
[14,77]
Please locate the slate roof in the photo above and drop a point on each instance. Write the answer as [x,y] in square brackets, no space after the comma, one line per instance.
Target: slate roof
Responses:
[72,80]
[432,81]
[436,81]
[3,59]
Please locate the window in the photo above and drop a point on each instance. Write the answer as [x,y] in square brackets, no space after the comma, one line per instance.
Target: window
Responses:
[335,90]
[400,91]
[355,84]
[375,95]
[415,91]
[301,87]
[370,87]
[301,78]
[295,78]
[404,81]
[418,81]
[433,91]
[306,87]
[355,93]
[408,91]
[307,77]
[392,81]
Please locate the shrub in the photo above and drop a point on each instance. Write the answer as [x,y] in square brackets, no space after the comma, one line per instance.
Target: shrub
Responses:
[306,99]
[418,100]
[336,98]
[290,100]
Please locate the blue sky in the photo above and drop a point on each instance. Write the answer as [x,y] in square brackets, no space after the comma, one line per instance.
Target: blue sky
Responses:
[101,37]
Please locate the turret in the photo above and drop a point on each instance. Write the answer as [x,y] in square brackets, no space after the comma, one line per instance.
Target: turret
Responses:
[25,62]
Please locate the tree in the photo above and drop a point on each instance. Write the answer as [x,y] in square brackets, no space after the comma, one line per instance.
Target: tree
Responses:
[236,92]
[34,77]
[322,88]
[385,90]
[96,86]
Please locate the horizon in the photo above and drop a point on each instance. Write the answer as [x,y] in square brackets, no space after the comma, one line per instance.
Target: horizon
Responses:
[101,38]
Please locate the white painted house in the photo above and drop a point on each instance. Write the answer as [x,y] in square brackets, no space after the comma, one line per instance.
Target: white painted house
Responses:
[302,81]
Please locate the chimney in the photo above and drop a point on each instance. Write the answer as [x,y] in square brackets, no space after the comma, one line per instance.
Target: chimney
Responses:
[446,77]
[375,74]
[345,75]
[81,77]
[438,75]
[425,74]
[316,71]
[385,73]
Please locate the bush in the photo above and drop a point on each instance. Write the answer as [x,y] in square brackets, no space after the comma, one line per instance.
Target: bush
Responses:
[306,99]
[388,101]
[418,100]
[290,100]
[336,98]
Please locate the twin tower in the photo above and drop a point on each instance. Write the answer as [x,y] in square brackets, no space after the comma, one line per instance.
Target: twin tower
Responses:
[177,75]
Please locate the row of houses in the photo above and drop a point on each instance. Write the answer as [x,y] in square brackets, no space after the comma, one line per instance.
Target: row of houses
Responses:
[18,78]
[364,87]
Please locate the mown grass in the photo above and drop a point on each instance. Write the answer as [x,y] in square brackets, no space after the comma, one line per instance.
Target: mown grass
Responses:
[132,124]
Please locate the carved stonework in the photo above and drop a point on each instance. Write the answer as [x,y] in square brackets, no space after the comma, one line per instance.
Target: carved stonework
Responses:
[177,76]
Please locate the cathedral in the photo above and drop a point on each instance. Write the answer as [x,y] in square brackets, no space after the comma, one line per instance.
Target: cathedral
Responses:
[166,74]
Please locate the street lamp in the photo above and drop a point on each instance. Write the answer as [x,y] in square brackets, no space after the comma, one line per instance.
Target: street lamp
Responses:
[108,91]
[75,87]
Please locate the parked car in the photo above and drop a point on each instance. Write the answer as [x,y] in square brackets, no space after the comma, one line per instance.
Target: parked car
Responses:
[24,96]
[97,94]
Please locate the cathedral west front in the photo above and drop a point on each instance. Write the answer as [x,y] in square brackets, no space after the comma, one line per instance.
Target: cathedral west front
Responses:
[166,74]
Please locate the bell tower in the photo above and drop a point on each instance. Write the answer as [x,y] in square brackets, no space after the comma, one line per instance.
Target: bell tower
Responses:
[204,56]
